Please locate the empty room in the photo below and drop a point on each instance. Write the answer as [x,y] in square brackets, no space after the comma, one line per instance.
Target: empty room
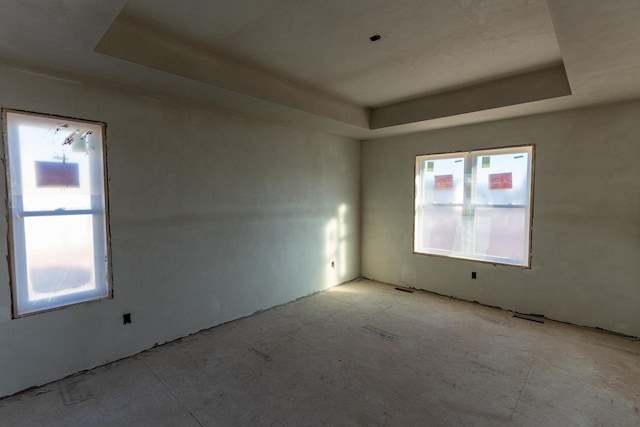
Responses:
[320,213]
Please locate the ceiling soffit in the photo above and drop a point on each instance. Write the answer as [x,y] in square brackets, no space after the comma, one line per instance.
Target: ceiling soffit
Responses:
[143,43]
[138,42]
[426,47]
[599,44]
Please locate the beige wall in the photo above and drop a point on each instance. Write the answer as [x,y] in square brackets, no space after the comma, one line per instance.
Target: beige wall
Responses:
[212,218]
[586,226]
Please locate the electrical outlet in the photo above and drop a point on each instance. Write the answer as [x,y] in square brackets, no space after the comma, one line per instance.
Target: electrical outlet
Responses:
[474,275]
[126,318]
[333,264]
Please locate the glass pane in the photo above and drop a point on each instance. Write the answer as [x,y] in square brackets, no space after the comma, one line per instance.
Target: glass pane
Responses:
[501,232]
[60,256]
[55,161]
[441,229]
[502,179]
[443,181]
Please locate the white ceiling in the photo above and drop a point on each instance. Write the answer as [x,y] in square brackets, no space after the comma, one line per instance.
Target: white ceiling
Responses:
[310,64]
[426,46]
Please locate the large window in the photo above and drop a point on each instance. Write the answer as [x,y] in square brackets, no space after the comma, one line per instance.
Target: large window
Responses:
[57,211]
[475,205]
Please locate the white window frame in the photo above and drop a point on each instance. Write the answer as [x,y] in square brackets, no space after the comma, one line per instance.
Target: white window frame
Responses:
[99,210]
[469,208]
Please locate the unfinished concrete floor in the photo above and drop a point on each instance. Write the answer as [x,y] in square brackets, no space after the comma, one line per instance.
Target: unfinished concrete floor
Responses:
[360,354]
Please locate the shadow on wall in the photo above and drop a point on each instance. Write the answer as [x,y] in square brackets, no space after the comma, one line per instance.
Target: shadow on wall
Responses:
[336,233]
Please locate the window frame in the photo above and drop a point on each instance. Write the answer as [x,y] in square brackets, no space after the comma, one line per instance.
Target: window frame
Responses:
[474,153]
[16,244]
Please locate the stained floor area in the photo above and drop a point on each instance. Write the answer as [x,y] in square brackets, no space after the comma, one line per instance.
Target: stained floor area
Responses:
[361,354]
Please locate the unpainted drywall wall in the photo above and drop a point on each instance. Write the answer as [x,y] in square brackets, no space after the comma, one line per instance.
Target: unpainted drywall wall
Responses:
[212,218]
[586,223]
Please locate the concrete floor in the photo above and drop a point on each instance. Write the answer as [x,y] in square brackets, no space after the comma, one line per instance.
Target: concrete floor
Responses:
[360,354]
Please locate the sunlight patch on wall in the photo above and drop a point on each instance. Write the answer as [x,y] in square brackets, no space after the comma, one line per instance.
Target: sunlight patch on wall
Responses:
[335,249]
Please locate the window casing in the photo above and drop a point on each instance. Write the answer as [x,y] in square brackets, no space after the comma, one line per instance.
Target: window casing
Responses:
[57,203]
[475,205]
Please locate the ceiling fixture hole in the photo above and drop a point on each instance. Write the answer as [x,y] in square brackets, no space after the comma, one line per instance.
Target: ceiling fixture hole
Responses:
[375,37]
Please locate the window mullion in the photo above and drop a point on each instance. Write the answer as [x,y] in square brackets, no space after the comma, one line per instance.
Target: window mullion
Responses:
[468,210]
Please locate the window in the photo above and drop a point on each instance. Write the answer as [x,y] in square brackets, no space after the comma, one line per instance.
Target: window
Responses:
[475,205]
[57,211]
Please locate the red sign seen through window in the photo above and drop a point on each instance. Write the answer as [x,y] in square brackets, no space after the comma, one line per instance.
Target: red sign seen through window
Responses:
[500,181]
